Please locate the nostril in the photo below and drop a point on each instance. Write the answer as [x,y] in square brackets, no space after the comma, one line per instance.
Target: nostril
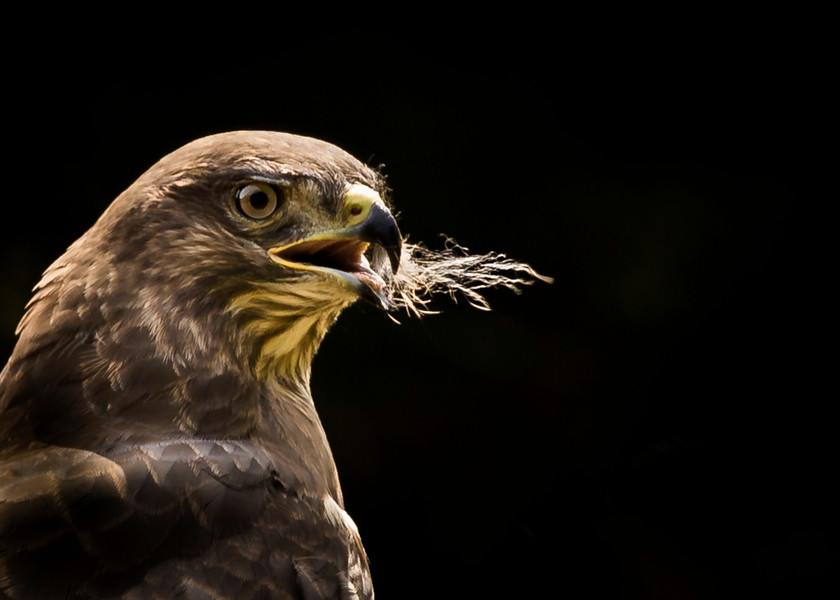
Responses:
[355,210]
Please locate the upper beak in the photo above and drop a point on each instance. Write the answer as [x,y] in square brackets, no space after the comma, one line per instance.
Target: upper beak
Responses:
[380,228]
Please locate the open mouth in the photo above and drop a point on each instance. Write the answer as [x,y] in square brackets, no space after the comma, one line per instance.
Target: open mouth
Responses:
[343,257]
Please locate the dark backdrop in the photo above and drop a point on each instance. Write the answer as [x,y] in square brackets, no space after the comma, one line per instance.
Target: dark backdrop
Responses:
[655,423]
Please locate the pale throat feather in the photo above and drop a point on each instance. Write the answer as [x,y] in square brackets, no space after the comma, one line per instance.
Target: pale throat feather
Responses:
[280,326]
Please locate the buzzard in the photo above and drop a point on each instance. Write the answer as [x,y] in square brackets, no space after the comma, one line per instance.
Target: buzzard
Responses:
[159,438]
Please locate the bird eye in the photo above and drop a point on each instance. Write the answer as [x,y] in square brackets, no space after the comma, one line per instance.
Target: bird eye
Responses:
[256,200]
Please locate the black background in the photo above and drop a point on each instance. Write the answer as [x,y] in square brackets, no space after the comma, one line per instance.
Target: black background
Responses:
[654,424]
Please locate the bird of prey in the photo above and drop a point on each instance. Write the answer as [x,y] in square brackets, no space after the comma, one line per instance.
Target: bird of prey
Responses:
[159,439]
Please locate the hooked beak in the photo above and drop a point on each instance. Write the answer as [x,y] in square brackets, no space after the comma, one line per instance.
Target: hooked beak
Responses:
[347,253]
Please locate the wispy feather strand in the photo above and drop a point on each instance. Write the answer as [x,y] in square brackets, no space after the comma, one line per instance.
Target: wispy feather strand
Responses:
[424,273]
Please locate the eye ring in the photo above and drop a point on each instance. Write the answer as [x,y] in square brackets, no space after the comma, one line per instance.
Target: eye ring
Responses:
[257,200]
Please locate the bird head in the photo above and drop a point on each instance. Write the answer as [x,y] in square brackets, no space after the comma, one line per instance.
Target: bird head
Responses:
[258,237]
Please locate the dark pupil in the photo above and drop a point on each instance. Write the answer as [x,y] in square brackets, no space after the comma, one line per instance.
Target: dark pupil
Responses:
[258,200]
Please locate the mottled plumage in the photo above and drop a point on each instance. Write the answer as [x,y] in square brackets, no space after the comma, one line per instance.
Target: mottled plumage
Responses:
[158,435]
